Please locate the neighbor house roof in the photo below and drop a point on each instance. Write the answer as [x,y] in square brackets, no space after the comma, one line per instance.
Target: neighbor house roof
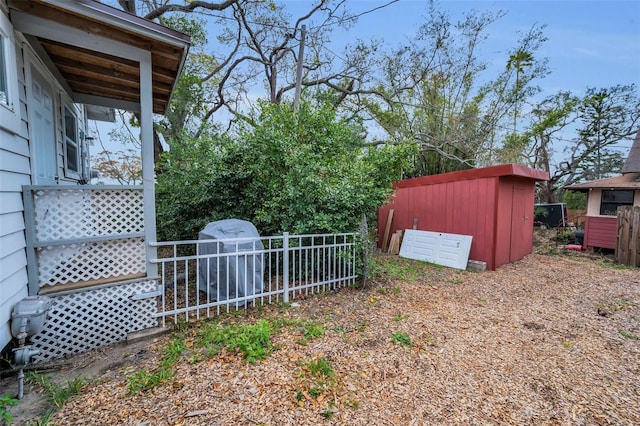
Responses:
[91,75]
[626,181]
[632,164]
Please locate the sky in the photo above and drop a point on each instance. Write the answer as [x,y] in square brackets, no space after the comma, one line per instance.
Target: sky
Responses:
[590,43]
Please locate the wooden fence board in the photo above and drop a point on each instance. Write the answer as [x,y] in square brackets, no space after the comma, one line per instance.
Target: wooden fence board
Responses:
[628,236]
[634,246]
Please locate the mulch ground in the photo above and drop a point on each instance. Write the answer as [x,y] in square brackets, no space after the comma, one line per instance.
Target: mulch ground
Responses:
[546,340]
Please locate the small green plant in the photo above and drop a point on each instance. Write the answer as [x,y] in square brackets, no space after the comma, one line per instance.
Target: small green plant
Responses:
[144,380]
[6,401]
[629,335]
[565,236]
[321,367]
[395,290]
[42,421]
[400,338]
[400,317]
[567,344]
[311,330]
[355,404]
[327,414]
[61,394]
[456,281]
[58,394]
[253,341]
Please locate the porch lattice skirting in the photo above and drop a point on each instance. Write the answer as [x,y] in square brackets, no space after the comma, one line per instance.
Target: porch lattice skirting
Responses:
[85,320]
[86,251]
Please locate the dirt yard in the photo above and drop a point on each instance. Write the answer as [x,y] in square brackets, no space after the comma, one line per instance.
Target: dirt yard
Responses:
[547,340]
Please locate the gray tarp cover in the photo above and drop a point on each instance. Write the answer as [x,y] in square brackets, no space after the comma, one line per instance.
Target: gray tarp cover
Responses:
[231,275]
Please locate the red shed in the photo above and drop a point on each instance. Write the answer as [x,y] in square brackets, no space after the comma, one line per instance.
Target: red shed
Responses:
[492,204]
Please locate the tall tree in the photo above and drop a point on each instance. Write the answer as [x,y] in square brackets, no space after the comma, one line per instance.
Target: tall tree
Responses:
[601,119]
[439,96]
[609,116]
[256,49]
[519,61]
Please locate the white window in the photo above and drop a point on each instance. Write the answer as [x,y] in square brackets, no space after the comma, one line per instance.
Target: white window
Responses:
[9,102]
[71,145]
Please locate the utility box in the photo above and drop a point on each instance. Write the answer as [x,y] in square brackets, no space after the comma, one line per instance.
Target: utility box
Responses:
[34,310]
[233,268]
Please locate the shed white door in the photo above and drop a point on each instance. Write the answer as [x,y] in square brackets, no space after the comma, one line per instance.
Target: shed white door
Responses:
[42,129]
[437,247]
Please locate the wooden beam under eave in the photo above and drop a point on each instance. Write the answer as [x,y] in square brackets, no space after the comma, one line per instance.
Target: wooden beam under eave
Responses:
[80,54]
[126,94]
[68,18]
[88,71]
[63,53]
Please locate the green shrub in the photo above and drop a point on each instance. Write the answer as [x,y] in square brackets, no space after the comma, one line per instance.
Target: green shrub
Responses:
[309,172]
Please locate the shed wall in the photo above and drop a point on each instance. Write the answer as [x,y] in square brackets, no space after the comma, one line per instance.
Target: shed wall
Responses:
[462,207]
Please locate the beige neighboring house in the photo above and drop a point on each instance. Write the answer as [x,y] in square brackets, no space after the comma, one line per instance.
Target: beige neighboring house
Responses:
[605,196]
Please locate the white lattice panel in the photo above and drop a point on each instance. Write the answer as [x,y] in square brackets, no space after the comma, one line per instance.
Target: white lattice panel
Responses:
[63,214]
[117,211]
[89,319]
[73,263]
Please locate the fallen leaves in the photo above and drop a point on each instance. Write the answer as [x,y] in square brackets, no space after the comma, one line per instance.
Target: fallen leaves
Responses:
[488,348]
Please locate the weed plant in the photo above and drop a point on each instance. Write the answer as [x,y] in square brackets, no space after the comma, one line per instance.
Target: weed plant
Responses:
[58,394]
[6,401]
[400,338]
[144,380]
[253,341]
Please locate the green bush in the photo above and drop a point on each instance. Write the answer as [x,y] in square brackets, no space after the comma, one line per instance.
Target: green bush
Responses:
[309,172]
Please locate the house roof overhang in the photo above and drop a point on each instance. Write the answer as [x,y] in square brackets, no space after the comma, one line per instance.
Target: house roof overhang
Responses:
[626,181]
[514,170]
[91,48]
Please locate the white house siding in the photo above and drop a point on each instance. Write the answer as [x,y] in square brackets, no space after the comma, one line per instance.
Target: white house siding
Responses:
[15,171]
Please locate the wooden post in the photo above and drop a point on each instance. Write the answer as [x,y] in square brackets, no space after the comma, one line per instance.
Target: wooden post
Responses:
[628,238]
[386,230]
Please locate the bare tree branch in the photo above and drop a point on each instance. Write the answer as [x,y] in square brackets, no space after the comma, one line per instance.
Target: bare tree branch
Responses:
[189,7]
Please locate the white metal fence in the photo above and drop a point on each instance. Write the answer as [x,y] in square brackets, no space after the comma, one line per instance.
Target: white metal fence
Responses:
[204,277]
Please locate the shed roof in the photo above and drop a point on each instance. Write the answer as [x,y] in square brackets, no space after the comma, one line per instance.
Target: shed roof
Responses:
[485,172]
[632,164]
[95,77]
[626,181]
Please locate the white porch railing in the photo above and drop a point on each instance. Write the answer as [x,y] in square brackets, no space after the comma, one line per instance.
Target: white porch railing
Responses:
[200,282]
[82,236]
[86,250]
